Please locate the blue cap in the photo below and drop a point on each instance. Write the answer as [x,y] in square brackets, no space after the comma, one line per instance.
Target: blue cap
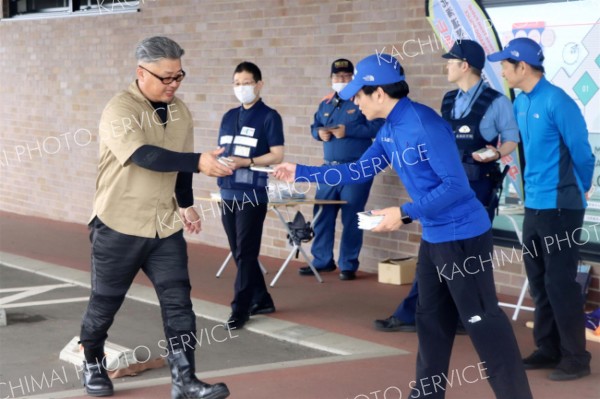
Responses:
[469,51]
[374,70]
[520,49]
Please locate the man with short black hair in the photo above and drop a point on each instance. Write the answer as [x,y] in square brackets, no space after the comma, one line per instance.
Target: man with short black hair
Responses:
[558,175]
[143,201]
[252,135]
[456,230]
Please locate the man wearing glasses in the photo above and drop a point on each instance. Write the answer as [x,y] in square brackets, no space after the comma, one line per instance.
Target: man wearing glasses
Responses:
[252,135]
[142,203]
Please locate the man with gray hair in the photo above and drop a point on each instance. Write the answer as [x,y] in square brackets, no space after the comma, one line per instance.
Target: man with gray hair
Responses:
[143,202]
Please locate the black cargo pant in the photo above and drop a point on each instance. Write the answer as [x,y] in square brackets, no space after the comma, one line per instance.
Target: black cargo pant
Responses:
[116,259]
[456,280]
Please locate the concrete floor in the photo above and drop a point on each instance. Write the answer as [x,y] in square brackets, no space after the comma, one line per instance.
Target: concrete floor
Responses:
[334,316]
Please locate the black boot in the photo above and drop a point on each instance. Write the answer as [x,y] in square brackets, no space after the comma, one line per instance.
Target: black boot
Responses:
[96,380]
[185,383]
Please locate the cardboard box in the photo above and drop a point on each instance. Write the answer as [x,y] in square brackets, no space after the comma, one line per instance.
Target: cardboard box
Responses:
[397,271]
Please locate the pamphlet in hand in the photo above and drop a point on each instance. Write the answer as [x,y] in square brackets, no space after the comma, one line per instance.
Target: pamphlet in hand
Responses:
[265,169]
[329,127]
[368,221]
[224,160]
[486,153]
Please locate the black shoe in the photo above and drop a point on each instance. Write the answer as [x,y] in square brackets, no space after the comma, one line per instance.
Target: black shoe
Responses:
[538,360]
[261,309]
[236,321]
[393,324]
[185,385]
[347,275]
[307,271]
[96,380]
[566,371]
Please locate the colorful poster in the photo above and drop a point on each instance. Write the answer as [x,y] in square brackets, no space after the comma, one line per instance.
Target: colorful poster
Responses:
[466,19]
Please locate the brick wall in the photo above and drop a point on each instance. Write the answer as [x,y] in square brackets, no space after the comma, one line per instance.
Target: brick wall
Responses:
[59,73]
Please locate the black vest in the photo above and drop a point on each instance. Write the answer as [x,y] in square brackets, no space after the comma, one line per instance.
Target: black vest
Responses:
[467,134]
[237,123]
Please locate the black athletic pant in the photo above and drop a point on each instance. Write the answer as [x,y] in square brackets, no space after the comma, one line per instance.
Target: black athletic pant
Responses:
[553,237]
[116,259]
[243,224]
[456,280]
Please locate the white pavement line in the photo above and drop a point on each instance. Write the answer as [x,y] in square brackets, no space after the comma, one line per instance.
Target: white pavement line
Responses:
[278,329]
[48,302]
[19,289]
[120,387]
[31,291]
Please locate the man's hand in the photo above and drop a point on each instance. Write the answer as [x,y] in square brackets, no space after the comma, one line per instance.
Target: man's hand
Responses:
[488,159]
[191,220]
[590,192]
[210,166]
[339,132]
[392,219]
[285,171]
[324,134]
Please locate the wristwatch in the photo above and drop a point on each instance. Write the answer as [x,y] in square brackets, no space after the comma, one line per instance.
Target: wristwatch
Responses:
[251,162]
[405,218]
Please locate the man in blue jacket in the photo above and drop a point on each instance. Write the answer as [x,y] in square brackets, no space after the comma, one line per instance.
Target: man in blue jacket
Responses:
[478,115]
[345,134]
[454,266]
[558,174]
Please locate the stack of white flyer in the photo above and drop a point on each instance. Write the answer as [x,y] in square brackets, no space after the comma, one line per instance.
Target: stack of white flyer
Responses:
[368,221]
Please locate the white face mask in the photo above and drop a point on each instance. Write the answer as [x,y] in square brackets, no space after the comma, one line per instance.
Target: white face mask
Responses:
[337,87]
[244,94]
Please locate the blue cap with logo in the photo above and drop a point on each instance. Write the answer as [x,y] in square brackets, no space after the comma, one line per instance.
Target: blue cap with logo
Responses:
[469,51]
[374,70]
[520,49]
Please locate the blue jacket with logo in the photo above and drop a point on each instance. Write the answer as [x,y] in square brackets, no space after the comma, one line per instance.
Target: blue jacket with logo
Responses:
[359,132]
[559,163]
[420,146]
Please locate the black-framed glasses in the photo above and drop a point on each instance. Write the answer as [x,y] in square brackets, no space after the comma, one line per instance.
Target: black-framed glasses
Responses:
[168,80]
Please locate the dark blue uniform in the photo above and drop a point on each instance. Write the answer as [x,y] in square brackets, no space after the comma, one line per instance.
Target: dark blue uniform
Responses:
[359,134]
[247,133]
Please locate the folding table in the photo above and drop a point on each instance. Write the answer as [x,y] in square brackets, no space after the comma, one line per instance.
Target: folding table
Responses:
[275,207]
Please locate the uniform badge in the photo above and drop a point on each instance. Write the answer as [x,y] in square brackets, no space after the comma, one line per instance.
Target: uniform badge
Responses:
[464,129]
[351,111]
[247,131]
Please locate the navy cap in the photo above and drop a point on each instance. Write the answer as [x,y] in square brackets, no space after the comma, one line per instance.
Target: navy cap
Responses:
[342,65]
[469,51]
[374,70]
[520,49]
